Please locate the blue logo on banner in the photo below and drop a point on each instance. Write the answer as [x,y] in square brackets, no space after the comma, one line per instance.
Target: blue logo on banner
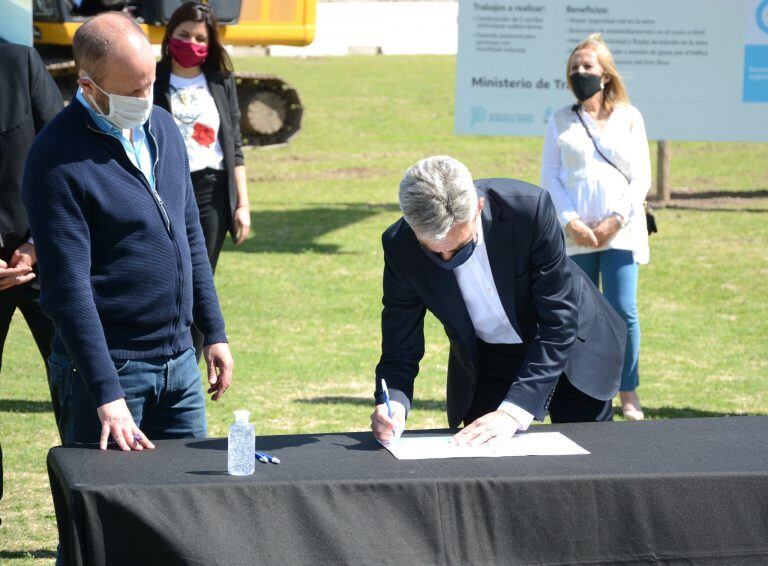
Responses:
[762,16]
[478,114]
[756,62]
[755,73]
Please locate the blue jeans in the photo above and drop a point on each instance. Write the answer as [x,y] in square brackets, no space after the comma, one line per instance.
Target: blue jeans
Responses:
[618,271]
[165,397]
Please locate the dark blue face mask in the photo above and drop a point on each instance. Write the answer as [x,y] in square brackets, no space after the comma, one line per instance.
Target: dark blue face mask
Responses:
[459,258]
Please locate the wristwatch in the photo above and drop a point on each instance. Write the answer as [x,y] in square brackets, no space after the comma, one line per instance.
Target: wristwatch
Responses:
[620,219]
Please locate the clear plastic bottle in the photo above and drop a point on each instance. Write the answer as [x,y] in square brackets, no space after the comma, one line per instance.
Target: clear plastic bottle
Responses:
[241,445]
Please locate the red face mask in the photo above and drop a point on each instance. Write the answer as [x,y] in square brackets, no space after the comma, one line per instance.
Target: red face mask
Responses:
[186,53]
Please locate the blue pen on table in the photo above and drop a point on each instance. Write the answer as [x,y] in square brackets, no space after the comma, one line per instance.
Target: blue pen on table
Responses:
[266,458]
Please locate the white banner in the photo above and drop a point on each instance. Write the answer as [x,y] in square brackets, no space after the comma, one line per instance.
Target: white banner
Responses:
[696,69]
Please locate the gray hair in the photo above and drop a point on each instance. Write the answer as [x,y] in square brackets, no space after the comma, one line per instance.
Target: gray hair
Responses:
[93,40]
[436,194]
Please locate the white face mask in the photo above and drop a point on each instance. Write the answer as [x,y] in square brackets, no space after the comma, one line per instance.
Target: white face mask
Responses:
[125,112]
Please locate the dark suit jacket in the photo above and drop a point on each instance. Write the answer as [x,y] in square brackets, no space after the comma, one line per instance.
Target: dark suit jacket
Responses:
[224,92]
[559,314]
[29,99]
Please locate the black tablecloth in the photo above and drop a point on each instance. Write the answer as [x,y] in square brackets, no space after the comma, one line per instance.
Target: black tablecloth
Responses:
[670,492]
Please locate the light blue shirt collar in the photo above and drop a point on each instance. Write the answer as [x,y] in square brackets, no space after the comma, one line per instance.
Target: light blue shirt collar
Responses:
[102,124]
[139,151]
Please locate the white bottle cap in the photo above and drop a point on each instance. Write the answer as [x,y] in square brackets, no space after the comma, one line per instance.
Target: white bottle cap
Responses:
[241,416]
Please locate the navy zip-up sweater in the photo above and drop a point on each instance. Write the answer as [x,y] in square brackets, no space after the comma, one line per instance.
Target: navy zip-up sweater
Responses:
[121,268]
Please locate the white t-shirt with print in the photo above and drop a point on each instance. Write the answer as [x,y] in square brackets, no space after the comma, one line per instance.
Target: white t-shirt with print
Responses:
[197,118]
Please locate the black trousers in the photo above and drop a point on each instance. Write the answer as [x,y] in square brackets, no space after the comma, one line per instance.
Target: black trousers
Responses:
[498,367]
[212,196]
[26,299]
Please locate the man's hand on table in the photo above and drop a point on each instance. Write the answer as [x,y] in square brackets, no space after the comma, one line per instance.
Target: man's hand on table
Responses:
[220,365]
[492,428]
[384,428]
[116,420]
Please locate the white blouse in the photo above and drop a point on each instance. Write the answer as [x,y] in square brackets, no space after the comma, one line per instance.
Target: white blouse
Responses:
[583,185]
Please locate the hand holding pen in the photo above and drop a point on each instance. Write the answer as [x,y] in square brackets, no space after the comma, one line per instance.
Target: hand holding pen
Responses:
[388,418]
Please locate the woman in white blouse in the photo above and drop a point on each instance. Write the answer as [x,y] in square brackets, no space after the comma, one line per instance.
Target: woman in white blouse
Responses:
[596,166]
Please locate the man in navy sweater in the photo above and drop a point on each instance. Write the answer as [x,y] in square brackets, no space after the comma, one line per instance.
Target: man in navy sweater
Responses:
[121,254]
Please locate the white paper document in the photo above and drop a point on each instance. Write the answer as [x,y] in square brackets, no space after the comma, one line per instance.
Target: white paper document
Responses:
[441,446]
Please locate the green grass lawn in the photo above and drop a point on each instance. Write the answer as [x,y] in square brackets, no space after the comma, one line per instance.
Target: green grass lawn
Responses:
[302,296]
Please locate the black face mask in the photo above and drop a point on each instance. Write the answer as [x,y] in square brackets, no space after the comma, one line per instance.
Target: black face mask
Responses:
[586,85]
[461,256]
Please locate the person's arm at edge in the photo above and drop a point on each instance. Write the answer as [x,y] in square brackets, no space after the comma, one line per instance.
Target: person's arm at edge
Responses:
[58,220]
[637,155]
[242,219]
[44,93]
[45,102]
[550,176]
[641,159]
[555,301]
[206,309]
[234,116]
[402,343]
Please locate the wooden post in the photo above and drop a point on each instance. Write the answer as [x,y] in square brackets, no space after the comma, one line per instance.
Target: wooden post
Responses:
[662,173]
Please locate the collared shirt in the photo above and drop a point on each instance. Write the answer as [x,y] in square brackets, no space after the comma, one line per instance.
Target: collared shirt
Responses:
[489,319]
[478,289]
[137,147]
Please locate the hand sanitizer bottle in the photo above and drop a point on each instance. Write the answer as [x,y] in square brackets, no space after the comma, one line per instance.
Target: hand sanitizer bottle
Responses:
[241,445]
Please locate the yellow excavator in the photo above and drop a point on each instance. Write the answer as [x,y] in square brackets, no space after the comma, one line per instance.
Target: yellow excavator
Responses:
[271,109]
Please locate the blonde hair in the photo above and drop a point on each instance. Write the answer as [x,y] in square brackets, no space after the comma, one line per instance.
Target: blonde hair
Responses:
[615,92]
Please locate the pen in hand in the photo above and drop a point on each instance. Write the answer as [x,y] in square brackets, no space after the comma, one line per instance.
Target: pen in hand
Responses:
[397,431]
